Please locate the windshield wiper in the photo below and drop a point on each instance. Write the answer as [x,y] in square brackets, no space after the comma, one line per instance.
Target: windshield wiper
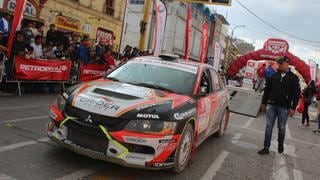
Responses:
[113,79]
[154,86]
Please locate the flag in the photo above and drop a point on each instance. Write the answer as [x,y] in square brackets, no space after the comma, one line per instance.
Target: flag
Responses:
[16,23]
[160,24]
[217,54]
[124,27]
[313,69]
[204,42]
[188,33]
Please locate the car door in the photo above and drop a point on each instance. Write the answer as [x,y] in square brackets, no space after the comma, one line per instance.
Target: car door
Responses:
[219,105]
[206,104]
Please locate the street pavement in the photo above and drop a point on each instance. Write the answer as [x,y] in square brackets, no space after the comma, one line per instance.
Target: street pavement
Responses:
[26,152]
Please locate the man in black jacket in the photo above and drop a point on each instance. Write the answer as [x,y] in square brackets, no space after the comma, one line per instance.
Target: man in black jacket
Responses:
[280,99]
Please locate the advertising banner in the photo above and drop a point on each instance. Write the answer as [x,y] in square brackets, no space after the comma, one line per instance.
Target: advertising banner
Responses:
[92,72]
[204,42]
[160,24]
[42,70]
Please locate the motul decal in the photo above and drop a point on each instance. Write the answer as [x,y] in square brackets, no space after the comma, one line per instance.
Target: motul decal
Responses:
[148,116]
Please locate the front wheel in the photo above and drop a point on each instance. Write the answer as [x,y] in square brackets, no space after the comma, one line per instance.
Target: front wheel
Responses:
[183,152]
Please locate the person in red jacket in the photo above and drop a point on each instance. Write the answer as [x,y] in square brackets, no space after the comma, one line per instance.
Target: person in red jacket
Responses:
[110,61]
[260,82]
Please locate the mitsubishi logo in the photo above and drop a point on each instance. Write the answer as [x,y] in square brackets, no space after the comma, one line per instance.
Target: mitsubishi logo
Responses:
[88,120]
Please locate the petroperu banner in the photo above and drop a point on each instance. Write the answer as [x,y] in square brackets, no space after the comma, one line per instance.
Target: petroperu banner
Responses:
[161,18]
[313,69]
[42,70]
[217,55]
[92,72]
[204,42]
[188,33]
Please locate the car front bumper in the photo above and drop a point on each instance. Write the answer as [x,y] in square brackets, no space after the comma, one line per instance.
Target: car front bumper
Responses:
[161,159]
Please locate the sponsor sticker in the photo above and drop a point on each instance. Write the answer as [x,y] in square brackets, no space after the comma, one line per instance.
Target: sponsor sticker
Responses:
[183,115]
[100,104]
[167,141]
[132,157]
[135,140]
[162,164]
[148,116]
[166,147]
[152,105]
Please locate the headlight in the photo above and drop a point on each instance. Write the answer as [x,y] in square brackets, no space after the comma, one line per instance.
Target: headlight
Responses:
[152,127]
[60,102]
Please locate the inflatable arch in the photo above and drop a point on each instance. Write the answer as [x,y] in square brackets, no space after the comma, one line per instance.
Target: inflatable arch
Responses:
[272,49]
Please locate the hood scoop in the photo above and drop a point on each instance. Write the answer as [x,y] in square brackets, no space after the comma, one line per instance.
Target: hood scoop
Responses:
[113,94]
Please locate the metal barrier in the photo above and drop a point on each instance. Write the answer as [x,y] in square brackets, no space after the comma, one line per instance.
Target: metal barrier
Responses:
[19,81]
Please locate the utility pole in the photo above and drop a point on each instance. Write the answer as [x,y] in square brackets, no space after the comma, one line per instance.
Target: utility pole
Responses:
[230,45]
[143,24]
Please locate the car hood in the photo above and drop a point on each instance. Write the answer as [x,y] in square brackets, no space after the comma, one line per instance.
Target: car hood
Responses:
[115,99]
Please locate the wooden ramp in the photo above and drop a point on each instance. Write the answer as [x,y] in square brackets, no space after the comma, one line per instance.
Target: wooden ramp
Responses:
[245,102]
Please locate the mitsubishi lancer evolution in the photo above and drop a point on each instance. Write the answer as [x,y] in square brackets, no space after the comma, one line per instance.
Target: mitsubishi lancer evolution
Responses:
[151,112]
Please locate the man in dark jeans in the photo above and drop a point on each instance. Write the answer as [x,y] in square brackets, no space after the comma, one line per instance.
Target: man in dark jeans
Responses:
[280,99]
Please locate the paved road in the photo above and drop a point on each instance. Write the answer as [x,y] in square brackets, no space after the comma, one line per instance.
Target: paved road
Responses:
[26,153]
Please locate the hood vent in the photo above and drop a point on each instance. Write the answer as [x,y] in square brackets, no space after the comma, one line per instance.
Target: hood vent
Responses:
[108,93]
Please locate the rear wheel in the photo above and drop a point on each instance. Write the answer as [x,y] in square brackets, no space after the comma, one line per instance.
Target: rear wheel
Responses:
[223,123]
[183,152]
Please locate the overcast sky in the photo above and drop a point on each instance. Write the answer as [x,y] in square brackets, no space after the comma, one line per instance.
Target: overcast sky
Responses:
[300,18]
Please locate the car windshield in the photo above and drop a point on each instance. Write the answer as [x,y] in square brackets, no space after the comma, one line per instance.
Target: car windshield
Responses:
[157,76]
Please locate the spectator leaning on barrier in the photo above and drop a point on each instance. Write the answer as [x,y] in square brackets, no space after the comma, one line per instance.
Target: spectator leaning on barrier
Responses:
[58,52]
[28,33]
[84,52]
[3,44]
[29,53]
[110,61]
[18,48]
[37,46]
[5,26]
[48,51]
[51,34]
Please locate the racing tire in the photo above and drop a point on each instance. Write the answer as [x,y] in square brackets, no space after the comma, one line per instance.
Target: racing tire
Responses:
[223,123]
[183,152]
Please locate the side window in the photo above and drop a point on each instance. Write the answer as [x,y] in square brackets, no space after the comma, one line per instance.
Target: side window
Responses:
[216,82]
[205,84]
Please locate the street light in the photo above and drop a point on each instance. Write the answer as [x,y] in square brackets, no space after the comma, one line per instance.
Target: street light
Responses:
[229,48]
[234,28]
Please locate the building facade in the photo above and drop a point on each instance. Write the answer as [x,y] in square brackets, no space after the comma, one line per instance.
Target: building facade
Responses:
[97,18]
[174,41]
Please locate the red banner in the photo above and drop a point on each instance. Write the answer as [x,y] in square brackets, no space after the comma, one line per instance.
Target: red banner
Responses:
[188,33]
[92,72]
[35,69]
[204,42]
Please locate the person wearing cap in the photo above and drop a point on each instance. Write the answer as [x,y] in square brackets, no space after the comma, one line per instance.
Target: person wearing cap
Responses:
[280,99]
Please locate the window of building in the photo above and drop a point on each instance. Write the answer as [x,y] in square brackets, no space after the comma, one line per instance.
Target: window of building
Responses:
[109,7]
[136,1]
